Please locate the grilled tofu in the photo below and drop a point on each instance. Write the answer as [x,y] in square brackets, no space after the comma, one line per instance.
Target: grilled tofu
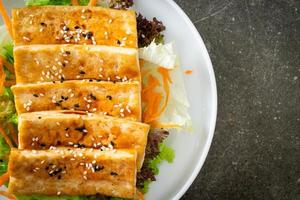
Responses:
[75,62]
[113,99]
[73,172]
[74,25]
[41,130]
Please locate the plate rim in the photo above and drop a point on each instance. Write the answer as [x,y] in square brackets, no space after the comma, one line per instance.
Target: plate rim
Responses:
[202,157]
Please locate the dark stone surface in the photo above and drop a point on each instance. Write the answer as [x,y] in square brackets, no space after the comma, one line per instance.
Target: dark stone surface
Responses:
[255,47]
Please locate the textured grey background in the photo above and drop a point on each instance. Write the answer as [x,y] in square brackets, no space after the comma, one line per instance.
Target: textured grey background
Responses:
[255,47]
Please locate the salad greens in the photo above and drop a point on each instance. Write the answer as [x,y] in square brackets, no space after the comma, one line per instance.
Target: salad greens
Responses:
[149,30]
[53,2]
[116,4]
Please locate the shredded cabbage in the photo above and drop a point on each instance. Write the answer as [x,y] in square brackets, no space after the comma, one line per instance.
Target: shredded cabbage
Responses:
[176,114]
[160,54]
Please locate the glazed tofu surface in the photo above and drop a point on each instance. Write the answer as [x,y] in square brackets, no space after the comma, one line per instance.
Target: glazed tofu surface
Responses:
[73,172]
[74,25]
[113,99]
[42,130]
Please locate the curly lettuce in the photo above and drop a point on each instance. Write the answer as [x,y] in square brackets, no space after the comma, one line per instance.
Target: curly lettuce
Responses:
[149,30]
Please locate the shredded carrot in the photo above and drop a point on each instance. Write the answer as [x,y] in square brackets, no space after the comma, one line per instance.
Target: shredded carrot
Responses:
[165,73]
[188,71]
[7,139]
[92,3]
[5,17]
[142,62]
[8,65]
[153,99]
[8,195]
[140,196]
[4,178]
[75,3]
[13,133]
[9,83]
[2,75]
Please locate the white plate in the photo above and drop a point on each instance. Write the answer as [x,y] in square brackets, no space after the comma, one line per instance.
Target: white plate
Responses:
[191,149]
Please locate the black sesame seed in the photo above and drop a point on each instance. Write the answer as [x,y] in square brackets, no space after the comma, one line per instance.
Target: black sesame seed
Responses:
[76,27]
[89,35]
[42,145]
[109,97]
[57,104]
[76,105]
[118,42]
[81,72]
[58,142]
[68,52]
[62,79]
[98,168]
[35,95]
[43,24]
[114,174]
[91,80]
[39,117]
[59,177]
[93,97]
[65,28]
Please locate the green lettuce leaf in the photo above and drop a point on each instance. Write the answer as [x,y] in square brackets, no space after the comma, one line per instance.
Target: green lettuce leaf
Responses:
[166,154]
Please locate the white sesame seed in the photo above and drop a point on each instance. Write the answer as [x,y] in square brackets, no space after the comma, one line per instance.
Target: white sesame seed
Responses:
[122,110]
[94,109]
[72,95]
[88,106]
[85,177]
[30,22]
[110,21]
[67,135]
[58,193]
[57,123]
[122,115]
[41,29]
[26,39]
